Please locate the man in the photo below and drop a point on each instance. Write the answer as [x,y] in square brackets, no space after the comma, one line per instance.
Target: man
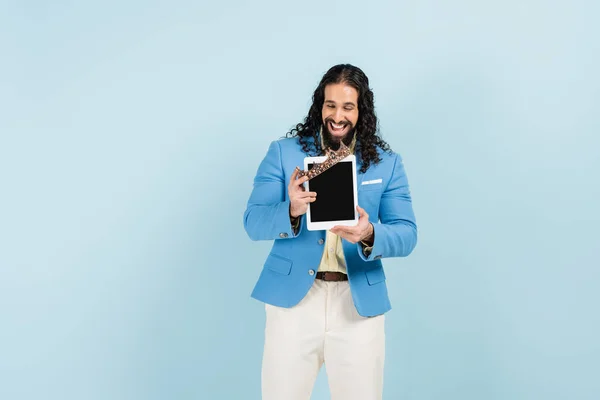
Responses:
[324,291]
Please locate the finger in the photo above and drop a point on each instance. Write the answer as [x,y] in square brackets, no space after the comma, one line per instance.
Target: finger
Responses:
[337,231]
[307,194]
[361,212]
[348,228]
[299,183]
[352,238]
[293,178]
[303,199]
[342,230]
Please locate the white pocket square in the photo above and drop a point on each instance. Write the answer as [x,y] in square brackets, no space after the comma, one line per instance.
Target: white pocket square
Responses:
[371,182]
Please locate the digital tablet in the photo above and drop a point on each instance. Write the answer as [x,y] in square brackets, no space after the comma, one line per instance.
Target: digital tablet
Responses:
[336,194]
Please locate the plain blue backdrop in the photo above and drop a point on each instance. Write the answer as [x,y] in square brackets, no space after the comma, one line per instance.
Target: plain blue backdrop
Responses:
[130,133]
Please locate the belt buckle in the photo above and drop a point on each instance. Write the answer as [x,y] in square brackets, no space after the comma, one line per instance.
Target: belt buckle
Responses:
[332,276]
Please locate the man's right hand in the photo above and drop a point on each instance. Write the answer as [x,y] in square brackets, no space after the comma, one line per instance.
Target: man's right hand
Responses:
[299,197]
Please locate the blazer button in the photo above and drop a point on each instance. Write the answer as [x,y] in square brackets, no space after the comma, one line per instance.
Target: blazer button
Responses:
[283,235]
[311,272]
[321,241]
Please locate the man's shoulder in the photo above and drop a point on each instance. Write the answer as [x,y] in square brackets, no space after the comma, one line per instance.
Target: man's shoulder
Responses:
[288,144]
[388,156]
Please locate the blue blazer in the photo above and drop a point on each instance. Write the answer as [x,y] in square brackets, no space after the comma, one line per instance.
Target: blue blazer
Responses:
[290,268]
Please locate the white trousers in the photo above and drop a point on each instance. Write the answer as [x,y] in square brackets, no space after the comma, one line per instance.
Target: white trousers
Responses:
[324,328]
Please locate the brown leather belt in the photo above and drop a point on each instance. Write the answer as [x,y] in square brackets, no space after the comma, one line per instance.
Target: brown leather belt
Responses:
[332,276]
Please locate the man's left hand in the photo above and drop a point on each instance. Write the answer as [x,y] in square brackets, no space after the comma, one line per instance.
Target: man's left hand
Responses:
[354,234]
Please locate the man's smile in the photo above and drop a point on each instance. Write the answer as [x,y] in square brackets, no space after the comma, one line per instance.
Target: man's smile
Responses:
[338,129]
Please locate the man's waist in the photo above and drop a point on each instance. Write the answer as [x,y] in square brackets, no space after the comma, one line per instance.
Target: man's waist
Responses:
[331,276]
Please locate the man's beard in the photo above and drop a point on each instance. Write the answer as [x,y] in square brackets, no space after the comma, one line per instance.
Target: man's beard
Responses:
[332,142]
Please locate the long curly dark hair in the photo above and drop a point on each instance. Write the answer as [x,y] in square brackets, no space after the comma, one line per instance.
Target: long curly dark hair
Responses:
[367,126]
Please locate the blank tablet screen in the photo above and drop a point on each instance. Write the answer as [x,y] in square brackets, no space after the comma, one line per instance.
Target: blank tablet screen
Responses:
[335,194]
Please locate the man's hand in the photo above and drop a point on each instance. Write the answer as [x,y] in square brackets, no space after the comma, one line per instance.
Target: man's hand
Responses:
[299,197]
[354,234]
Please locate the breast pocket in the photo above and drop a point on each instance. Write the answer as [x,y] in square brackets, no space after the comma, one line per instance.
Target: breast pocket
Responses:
[370,185]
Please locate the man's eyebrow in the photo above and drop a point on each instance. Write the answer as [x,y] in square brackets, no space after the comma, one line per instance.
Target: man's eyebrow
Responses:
[348,103]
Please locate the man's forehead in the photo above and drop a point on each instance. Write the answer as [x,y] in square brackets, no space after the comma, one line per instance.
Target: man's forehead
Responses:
[341,92]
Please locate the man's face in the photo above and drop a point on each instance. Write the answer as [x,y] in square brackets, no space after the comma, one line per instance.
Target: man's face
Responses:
[340,113]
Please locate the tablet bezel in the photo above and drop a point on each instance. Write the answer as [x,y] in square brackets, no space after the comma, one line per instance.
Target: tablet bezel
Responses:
[326,225]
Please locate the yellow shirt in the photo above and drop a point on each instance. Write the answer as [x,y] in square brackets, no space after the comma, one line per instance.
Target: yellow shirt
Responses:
[333,254]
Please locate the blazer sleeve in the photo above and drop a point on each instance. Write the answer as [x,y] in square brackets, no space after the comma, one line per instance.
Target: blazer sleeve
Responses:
[267,214]
[396,231]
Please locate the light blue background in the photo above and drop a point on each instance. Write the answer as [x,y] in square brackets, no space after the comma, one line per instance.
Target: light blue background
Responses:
[130,135]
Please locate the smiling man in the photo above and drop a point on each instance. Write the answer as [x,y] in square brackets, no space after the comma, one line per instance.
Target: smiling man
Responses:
[325,292]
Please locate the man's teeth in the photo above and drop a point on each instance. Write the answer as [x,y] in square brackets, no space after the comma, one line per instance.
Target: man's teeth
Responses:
[336,126]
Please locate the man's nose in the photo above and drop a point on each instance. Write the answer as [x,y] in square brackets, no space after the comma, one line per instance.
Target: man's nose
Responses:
[338,116]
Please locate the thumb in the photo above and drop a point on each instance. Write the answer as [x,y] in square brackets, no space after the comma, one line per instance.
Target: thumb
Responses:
[361,212]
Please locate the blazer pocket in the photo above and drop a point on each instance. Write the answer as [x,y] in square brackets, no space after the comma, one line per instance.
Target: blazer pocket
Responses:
[279,264]
[375,276]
